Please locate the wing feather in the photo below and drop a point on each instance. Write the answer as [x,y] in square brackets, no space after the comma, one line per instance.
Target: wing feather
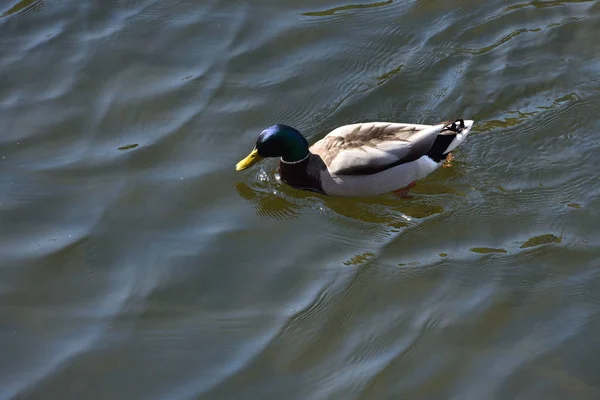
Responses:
[362,149]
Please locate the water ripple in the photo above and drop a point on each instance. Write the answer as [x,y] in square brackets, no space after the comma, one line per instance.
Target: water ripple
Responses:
[133,253]
[334,10]
[24,6]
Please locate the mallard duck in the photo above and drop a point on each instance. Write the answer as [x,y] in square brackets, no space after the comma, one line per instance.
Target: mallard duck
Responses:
[365,159]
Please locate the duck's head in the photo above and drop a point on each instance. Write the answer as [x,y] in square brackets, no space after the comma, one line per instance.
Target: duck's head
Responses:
[277,141]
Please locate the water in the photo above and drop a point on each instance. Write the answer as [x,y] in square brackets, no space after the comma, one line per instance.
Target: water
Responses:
[137,264]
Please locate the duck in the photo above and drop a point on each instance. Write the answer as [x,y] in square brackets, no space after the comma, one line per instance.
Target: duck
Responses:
[361,159]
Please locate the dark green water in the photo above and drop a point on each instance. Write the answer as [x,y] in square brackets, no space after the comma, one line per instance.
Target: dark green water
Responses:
[158,272]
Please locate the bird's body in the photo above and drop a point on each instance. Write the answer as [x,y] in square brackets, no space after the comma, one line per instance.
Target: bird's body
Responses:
[365,159]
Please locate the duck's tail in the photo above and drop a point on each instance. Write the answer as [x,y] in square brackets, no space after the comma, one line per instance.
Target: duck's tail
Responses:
[449,138]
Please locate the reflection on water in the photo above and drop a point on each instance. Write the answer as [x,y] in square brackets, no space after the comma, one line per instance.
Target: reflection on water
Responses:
[274,199]
[22,5]
[135,263]
[268,203]
[486,250]
[501,41]
[128,147]
[544,4]
[540,240]
[348,7]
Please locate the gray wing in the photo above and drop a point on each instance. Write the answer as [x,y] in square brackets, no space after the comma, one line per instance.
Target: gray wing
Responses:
[363,149]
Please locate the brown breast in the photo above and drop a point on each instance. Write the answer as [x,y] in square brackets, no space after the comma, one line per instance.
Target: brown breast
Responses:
[304,175]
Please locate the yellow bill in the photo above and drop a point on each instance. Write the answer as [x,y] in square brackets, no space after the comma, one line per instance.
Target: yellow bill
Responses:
[249,161]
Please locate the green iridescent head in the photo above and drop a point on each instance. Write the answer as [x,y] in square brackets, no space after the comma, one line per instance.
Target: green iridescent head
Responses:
[277,141]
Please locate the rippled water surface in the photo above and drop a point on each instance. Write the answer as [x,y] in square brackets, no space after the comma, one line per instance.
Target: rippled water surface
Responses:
[135,263]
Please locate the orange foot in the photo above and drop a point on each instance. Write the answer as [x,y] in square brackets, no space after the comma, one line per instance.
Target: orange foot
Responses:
[448,162]
[403,193]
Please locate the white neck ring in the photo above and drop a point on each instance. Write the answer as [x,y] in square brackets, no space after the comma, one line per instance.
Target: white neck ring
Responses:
[294,162]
